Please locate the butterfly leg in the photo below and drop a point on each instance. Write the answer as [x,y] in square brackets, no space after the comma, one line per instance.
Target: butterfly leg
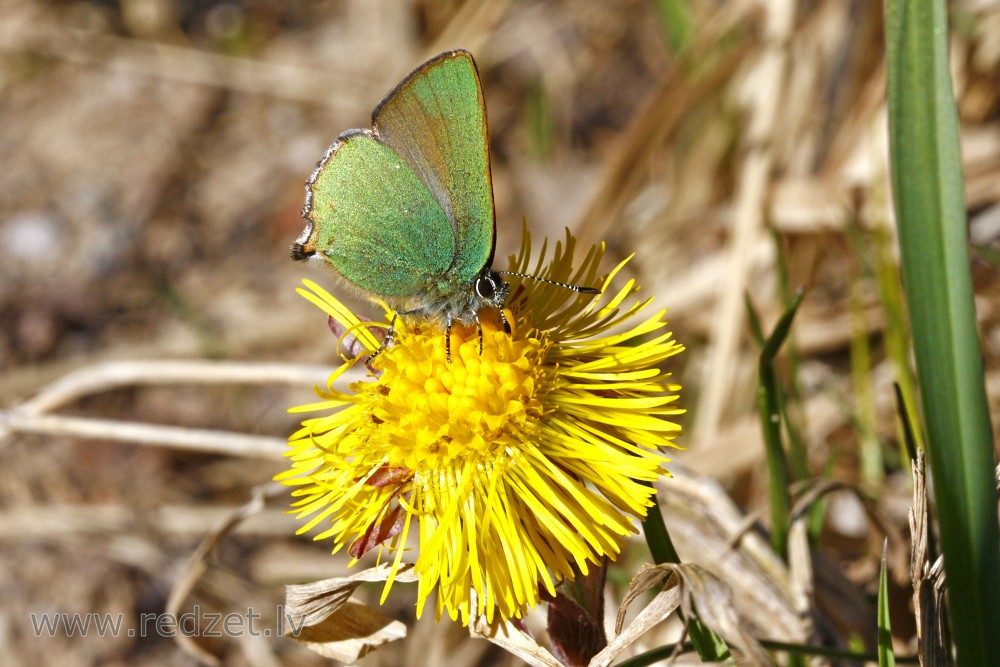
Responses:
[479,330]
[386,340]
[447,339]
[506,327]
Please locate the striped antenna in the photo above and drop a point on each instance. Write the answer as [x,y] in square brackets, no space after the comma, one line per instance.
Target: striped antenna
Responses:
[575,288]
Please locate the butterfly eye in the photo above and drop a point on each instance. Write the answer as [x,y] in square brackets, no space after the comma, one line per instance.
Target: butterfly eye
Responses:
[486,288]
[490,287]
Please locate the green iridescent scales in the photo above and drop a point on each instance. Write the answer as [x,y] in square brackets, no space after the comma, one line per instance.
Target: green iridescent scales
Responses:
[405,211]
[357,209]
[455,165]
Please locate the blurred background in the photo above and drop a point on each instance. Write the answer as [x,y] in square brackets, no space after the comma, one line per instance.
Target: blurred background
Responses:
[154,154]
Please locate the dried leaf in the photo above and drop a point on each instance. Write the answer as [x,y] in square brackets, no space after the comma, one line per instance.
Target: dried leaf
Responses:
[197,565]
[349,633]
[700,593]
[928,581]
[800,569]
[710,530]
[712,600]
[649,576]
[309,604]
[659,608]
[512,639]
[897,541]
[321,616]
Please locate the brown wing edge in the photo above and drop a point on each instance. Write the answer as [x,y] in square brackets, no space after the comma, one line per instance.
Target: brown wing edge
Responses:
[302,248]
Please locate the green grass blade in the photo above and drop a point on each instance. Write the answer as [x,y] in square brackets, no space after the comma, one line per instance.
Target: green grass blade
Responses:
[769,407]
[709,645]
[897,335]
[661,547]
[886,658]
[869,447]
[928,192]
[677,20]
[792,414]
[909,440]
[817,512]
[541,122]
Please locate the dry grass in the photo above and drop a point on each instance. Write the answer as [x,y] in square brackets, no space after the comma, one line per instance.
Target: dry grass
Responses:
[154,154]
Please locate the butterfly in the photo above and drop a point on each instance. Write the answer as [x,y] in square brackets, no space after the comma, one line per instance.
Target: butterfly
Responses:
[404,212]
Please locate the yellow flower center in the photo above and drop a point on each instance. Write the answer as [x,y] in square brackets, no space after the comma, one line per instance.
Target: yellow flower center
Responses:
[431,411]
[518,465]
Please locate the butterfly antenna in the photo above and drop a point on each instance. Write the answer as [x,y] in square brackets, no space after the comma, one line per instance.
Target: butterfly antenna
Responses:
[576,288]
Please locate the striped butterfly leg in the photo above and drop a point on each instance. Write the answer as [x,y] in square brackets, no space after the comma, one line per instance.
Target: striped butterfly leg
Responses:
[385,341]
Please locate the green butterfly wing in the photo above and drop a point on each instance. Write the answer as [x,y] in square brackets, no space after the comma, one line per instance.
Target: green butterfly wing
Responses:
[374,220]
[435,120]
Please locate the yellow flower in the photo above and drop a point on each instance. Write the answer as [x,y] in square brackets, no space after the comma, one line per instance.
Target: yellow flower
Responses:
[518,465]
